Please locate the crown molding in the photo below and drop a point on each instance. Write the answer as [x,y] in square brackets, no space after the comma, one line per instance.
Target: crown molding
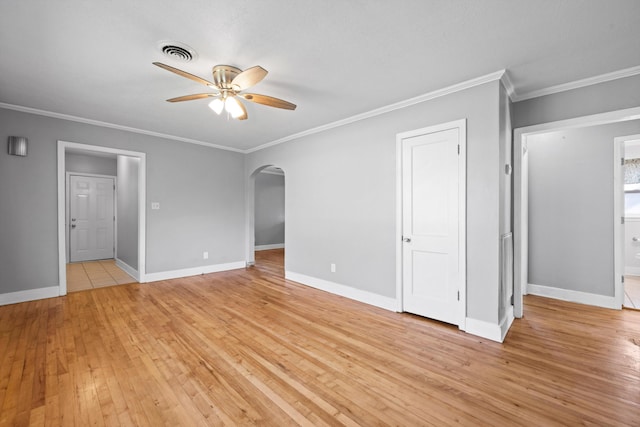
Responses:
[508,85]
[113,126]
[627,72]
[386,109]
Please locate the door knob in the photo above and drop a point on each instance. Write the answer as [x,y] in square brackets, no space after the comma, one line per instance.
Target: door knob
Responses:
[406,239]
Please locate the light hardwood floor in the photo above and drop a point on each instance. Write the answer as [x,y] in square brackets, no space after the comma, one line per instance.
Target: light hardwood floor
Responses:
[95,274]
[248,347]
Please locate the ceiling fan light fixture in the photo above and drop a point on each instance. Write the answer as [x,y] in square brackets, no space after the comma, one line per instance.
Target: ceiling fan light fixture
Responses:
[217,105]
[232,105]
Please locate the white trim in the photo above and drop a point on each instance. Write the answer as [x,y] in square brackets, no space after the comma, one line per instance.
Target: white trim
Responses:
[142,203]
[343,290]
[521,184]
[29,295]
[268,247]
[194,271]
[386,109]
[481,328]
[508,85]
[506,322]
[620,74]
[128,269]
[574,296]
[461,125]
[631,271]
[619,145]
[113,126]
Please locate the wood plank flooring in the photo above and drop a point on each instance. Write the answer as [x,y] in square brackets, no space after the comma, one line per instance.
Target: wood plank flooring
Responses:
[247,347]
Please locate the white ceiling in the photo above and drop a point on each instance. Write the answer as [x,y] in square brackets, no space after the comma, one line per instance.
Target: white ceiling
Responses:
[334,59]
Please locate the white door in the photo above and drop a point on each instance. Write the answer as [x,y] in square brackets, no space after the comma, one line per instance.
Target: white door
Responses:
[433,267]
[91,218]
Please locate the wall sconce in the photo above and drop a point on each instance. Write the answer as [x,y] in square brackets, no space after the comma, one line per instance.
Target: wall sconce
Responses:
[18,146]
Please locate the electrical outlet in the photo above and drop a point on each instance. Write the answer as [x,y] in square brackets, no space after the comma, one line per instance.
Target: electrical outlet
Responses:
[205,255]
[155,205]
[333,268]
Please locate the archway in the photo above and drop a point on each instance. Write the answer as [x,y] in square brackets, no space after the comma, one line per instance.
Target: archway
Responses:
[265,215]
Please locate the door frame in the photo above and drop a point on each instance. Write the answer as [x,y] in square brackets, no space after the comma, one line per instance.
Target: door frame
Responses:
[68,208]
[250,215]
[63,146]
[461,125]
[521,186]
[618,200]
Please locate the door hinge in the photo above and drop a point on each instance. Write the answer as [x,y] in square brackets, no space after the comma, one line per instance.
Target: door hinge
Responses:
[622,279]
[458,149]
[622,161]
[458,295]
[621,220]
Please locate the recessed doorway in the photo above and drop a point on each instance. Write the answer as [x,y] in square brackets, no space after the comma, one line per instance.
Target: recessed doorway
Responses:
[267,219]
[127,252]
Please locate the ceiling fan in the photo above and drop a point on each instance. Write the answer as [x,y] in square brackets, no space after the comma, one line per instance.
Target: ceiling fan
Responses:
[228,83]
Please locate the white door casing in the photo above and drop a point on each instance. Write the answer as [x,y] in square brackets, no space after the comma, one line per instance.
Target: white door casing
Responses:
[433,222]
[91,218]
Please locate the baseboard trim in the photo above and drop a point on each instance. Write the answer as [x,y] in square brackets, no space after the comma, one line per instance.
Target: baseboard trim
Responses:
[29,295]
[195,271]
[573,296]
[344,291]
[128,269]
[268,247]
[506,323]
[632,271]
[488,330]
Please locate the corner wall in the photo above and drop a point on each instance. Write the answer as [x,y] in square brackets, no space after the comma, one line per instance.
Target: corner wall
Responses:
[200,190]
[341,197]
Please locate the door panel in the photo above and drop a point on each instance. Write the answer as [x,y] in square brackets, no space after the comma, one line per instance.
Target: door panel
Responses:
[91,213]
[430,226]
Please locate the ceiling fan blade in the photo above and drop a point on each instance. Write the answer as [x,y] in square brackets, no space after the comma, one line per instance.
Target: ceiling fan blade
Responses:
[249,77]
[268,100]
[192,97]
[185,74]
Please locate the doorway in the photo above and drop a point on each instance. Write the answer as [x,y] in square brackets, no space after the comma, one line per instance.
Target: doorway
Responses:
[629,198]
[432,222]
[268,218]
[131,227]
[522,209]
[91,217]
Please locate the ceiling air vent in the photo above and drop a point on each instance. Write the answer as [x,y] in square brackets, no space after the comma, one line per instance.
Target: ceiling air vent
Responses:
[178,51]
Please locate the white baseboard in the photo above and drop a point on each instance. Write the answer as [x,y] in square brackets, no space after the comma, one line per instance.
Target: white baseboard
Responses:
[267,247]
[195,271]
[573,296]
[632,271]
[506,322]
[344,291]
[128,269]
[491,331]
[29,295]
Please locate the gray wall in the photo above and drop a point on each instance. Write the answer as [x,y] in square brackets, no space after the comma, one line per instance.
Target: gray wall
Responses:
[201,191]
[127,231]
[341,196]
[269,209]
[571,207]
[609,96]
[86,163]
